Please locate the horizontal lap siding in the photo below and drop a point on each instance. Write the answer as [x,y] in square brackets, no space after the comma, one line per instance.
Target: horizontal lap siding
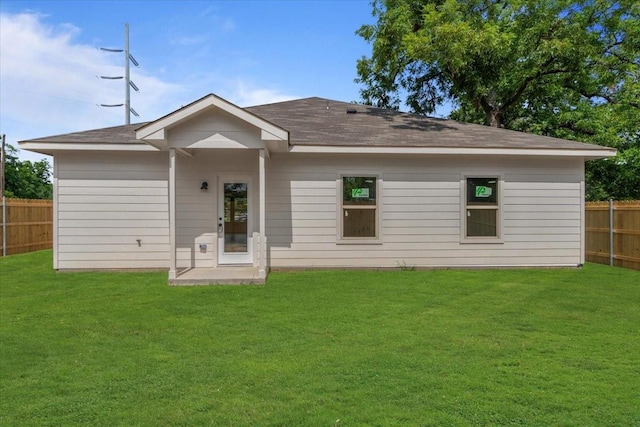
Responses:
[536,210]
[105,204]
[421,212]
[195,214]
[197,210]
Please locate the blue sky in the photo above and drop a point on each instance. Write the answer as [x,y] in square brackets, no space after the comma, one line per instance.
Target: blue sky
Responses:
[249,52]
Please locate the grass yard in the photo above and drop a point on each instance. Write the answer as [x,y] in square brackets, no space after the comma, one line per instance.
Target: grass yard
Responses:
[320,348]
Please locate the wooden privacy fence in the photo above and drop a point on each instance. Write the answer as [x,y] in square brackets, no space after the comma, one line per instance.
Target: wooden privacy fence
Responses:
[29,225]
[613,225]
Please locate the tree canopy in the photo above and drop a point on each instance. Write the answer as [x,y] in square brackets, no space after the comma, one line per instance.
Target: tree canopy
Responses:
[25,179]
[568,69]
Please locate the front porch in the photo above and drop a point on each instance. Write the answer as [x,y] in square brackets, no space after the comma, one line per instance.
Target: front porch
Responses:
[227,275]
[216,188]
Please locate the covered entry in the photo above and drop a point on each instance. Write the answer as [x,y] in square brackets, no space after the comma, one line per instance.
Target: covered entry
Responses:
[217,155]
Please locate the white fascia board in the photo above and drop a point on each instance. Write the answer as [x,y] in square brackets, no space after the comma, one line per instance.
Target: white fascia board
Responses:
[157,139]
[159,135]
[201,105]
[273,143]
[268,136]
[48,147]
[587,154]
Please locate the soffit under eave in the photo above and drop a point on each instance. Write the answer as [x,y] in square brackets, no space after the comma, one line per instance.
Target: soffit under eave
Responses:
[157,139]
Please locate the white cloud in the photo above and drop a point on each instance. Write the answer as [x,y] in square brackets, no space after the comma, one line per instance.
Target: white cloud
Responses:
[246,95]
[50,85]
[188,40]
[228,25]
[224,24]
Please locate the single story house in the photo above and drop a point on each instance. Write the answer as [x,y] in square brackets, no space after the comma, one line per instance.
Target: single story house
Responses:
[215,192]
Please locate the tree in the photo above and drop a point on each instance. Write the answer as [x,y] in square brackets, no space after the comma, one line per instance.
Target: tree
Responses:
[562,68]
[26,179]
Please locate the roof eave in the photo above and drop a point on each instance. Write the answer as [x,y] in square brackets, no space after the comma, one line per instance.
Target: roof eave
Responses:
[49,148]
[588,154]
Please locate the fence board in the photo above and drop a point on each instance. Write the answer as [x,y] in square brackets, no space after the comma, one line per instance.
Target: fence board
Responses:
[29,225]
[626,233]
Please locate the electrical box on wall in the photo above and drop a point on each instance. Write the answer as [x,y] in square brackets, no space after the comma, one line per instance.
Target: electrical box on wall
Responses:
[203,247]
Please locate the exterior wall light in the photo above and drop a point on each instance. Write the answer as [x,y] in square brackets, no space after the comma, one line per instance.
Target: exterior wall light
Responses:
[204,186]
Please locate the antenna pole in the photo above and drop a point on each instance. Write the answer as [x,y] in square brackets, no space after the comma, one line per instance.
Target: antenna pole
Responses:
[128,84]
[127,80]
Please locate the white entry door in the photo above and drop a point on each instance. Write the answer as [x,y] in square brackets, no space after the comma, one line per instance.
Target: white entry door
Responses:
[235,245]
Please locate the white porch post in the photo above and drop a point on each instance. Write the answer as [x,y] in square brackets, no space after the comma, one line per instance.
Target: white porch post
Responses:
[262,260]
[172,213]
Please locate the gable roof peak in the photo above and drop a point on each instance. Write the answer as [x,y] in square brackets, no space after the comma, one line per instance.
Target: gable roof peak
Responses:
[157,128]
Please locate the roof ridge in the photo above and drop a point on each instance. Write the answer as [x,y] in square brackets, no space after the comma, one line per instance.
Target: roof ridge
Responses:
[302,100]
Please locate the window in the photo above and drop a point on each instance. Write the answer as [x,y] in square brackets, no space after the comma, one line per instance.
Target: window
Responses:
[482,208]
[359,209]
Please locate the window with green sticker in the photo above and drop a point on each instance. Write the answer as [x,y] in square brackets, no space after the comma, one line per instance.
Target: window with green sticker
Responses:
[482,213]
[359,190]
[482,191]
[359,207]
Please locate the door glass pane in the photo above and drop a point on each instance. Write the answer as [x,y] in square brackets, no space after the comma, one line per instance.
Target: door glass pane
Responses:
[235,217]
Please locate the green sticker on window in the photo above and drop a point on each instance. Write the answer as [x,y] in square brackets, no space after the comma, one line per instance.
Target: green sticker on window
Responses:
[360,193]
[482,191]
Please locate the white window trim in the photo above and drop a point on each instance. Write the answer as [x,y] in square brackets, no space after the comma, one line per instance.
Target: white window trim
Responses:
[463,209]
[340,240]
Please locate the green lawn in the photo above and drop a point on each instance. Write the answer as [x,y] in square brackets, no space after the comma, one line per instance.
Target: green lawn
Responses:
[442,348]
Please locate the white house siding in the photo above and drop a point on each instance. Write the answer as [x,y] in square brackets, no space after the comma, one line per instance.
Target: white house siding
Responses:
[421,208]
[107,201]
[197,210]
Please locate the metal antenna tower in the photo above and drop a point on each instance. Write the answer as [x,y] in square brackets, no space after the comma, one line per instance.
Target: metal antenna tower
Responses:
[128,84]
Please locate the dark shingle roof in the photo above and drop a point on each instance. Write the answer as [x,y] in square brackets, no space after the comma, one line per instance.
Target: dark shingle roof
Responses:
[113,135]
[318,121]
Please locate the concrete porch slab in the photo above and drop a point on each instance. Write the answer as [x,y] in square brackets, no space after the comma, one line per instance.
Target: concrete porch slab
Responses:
[218,276]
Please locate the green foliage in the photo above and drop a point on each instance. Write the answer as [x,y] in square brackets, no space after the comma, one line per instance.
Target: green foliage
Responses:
[523,347]
[26,179]
[617,178]
[567,69]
